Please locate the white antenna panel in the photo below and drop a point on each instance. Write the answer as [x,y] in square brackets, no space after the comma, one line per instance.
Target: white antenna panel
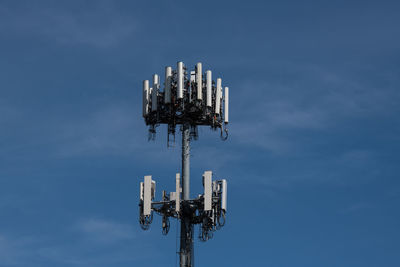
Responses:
[147,195]
[226,105]
[145,97]
[209,88]
[141,191]
[207,182]
[154,92]
[224,191]
[153,189]
[180,80]
[218,95]
[178,192]
[168,81]
[199,81]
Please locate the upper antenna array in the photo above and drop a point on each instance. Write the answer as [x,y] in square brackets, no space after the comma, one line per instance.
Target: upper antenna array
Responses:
[187,98]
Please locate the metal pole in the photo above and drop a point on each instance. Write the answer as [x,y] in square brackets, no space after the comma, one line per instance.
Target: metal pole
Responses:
[186,246]
[186,161]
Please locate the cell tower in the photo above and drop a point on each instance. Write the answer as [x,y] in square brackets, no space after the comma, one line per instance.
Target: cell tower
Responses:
[188,102]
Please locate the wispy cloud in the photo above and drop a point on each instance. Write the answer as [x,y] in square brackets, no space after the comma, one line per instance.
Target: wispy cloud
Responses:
[114,242]
[104,231]
[315,99]
[8,113]
[344,168]
[100,26]
[355,207]
[109,130]
[13,250]
[112,130]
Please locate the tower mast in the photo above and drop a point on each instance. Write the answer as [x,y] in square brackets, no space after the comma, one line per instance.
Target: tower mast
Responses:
[190,103]
[186,240]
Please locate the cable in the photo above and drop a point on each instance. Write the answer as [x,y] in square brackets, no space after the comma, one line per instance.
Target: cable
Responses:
[165,225]
[176,244]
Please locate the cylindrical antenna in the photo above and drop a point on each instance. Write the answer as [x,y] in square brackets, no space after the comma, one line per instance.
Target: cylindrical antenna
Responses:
[218,95]
[154,93]
[145,97]
[178,191]
[209,88]
[226,105]
[180,80]
[224,190]
[199,81]
[168,80]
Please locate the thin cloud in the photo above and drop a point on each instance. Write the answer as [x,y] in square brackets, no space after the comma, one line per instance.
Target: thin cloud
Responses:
[100,26]
[356,207]
[114,242]
[314,100]
[110,130]
[335,169]
[13,250]
[105,232]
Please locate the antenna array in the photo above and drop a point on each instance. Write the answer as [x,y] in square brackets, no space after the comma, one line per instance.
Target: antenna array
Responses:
[193,99]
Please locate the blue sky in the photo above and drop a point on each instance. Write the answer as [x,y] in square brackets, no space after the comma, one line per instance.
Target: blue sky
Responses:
[312,159]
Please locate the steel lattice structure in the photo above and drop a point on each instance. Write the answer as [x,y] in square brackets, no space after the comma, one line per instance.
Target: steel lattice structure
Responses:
[189,100]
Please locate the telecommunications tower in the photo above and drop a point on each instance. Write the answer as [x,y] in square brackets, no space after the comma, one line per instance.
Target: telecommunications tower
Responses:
[188,100]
